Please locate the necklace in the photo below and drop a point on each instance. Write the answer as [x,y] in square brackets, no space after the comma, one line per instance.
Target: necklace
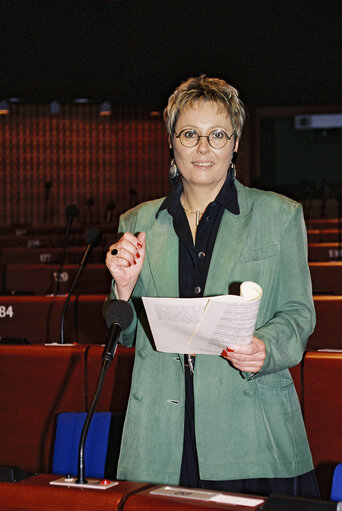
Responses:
[197,213]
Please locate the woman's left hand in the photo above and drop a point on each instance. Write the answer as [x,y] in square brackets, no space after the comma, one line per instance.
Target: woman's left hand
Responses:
[249,358]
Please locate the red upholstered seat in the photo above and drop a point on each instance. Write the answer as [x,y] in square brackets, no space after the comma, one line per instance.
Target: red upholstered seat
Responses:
[91,326]
[326,277]
[323,412]
[328,330]
[36,383]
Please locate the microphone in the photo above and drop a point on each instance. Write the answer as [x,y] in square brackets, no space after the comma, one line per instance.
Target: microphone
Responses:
[109,214]
[93,238]
[118,317]
[71,211]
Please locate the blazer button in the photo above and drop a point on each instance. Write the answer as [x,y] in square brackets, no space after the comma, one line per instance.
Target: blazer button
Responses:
[142,353]
[137,396]
[249,392]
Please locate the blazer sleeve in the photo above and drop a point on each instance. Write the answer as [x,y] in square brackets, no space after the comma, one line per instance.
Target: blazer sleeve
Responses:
[285,334]
[127,337]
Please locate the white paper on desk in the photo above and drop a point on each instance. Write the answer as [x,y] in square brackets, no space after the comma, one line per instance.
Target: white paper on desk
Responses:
[203,325]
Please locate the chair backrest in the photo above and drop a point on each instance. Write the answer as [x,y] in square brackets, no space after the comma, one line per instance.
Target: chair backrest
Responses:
[336,489]
[68,434]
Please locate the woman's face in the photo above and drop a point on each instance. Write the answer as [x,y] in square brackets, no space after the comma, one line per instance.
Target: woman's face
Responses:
[203,165]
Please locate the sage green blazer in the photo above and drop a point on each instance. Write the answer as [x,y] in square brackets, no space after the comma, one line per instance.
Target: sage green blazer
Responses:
[246,426]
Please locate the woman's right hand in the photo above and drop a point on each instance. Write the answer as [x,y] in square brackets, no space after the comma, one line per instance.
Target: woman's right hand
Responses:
[125,260]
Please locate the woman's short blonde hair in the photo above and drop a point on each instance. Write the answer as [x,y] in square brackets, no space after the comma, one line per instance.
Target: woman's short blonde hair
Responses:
[205,89]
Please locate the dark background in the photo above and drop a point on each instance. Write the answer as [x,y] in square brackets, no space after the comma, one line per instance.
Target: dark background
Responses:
[135,52]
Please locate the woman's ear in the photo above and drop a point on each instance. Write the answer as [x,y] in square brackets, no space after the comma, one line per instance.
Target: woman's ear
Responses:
[236,147]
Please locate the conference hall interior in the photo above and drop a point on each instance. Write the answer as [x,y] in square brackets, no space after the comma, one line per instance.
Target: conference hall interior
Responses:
[83,86]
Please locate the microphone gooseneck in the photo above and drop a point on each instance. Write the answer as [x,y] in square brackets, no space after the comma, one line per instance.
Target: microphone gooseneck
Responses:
[118,317]
[93,239]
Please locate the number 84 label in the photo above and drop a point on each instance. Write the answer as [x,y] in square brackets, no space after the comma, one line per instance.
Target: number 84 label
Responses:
[6,311]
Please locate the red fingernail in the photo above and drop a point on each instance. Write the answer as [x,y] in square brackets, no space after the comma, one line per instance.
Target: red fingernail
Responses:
[230,350]
[137,255]
[134,261]
[129,265]
[139,245]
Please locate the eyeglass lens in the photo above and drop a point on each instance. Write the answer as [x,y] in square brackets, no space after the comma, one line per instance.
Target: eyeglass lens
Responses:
[190,138]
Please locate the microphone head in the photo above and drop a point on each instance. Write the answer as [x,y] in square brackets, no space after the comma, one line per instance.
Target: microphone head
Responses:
[71,211]
[110,205]
[94,237]
[120,312]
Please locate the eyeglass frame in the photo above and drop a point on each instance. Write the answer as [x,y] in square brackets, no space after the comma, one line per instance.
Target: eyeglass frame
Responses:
[229,137]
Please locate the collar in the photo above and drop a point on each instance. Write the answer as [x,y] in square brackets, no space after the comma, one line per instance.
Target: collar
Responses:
[227,197]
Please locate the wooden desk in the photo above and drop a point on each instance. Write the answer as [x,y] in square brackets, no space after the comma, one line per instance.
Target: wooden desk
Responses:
[36,494]
[41,279]
[49,255]
[324,251]
[37,318]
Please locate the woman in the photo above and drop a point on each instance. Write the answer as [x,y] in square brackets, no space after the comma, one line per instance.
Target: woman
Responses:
[230,422]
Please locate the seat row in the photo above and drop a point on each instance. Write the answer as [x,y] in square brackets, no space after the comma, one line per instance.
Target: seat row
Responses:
[324,235]
[39,382]
[317,251]
[43,279]
[38,319]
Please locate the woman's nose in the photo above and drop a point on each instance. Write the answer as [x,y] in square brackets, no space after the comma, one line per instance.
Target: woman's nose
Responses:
[203,145]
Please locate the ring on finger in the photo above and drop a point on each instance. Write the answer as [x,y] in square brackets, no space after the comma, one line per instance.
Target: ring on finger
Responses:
[114,252]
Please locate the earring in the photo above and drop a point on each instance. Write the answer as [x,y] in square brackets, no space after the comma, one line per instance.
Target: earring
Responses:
[232,169]
[173,169]
[173,172]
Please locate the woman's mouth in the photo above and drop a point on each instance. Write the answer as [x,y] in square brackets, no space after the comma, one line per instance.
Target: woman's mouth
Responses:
[203,163]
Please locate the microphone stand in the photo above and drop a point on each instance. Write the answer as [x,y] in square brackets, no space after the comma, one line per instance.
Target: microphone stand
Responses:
[71,212]
[123,312]
[94,238]
[81,477]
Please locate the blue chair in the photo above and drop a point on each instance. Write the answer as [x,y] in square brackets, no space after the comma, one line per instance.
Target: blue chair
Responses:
[336,489]
[68,434]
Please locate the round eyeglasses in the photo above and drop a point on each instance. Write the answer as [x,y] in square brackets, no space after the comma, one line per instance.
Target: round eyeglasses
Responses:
[216,138]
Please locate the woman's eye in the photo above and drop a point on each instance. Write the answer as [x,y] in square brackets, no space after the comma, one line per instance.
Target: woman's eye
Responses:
[218,134]
[190,134]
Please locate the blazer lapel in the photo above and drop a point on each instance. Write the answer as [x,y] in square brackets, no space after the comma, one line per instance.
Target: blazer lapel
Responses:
[162,256]
[231,238]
